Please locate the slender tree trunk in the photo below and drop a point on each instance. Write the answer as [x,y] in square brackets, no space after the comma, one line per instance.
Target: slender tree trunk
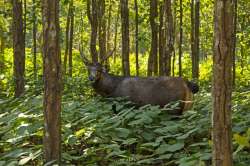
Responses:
[174,39]
[197,38]
[115,39]
[162,43]
[102,30]
[222,83]
[125,37]
[52,81]
[195,44]
[24,23]
[234,42]
[82,27]
[18,47]
[155,37]
[173,64]
[2,65]
[34,39]
[169,36]
[136,38]
[67,39]
[108,41]
[71,37]
[242,48]
[192,37]
[2,47]
[180,44]
[153,58]
[24,20]
[93,19]
[242,59]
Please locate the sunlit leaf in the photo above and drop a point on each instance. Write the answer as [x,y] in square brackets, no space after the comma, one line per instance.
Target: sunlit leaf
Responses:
[241,140]
[24,160]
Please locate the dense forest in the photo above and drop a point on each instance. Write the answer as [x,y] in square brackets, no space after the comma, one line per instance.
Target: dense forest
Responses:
[125,82]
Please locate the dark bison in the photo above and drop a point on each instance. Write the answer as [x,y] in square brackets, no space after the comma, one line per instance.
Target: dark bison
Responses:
[142,90]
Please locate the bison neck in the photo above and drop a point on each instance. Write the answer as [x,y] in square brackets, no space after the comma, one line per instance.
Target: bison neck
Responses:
[107,84]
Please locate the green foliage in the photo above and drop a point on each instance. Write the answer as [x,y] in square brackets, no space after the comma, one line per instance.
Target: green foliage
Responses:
[92,133]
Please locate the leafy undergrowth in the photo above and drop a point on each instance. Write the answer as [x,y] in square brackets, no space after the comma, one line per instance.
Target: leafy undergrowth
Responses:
[94,133]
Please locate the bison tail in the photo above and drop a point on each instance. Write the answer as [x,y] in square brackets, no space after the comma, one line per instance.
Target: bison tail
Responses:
[194,87]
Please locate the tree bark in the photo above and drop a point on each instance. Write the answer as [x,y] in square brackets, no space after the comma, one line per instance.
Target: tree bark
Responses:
[93,19]
[102,30]
[162,40]
[34,39]
[242,47]
[222,83]
[71,37]
[169,36]
[192,36]
[18,47]
[66,53]
[234,42]
[136,38]
[52,81]
[180,44]
[2,59]
[125,37]
[25,20]
[153,58]
[115,39]
[108,41]
[196,39]
[2,46]
[174,39]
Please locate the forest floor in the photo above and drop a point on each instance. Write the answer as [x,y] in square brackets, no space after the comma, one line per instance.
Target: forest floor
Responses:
[92,133]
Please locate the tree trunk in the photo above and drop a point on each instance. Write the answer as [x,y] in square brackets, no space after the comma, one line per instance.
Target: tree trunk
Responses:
[115,39]
[71,37]
[18,47]
[153,58]
[192,37]
[195,40]
[52,81]
[180,44]
[174,39]
[173,63]
[169,36]
[136,39]
[25,20]
[125,37]
[93,19]
[162,39]
[102,30]
[2,65]
[108,41]
[222,83]
[2,47]
[242,47]
[65,59]
[34,39]
[234,42]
